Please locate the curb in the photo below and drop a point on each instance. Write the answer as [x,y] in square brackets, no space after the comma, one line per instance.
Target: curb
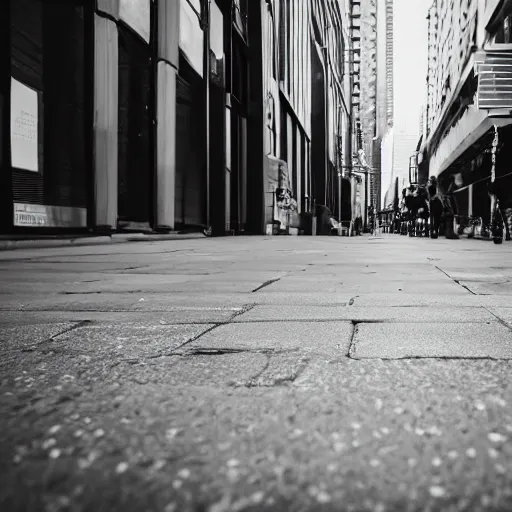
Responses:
[46,243]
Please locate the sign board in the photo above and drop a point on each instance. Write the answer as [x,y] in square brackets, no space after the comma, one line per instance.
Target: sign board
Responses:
[136,14]
[39,215]
[191,36]
[33,215]
[24,127]
[495,81]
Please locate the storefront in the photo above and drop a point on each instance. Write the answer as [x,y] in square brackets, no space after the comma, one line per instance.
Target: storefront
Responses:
[468,179]
[191,177]
[135,114]
[46,75]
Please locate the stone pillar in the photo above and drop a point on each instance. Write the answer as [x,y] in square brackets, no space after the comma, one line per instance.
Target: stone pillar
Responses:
[106,85]
[167,69]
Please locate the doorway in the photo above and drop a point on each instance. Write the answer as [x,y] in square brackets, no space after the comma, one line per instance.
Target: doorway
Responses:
[135,167]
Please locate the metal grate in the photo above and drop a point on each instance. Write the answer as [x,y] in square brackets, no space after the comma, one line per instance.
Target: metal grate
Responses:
[27,187]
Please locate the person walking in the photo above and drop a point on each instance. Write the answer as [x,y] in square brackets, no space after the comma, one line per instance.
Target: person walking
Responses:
[450,209]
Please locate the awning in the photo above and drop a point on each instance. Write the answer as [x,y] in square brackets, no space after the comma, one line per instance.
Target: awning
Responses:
[495,80]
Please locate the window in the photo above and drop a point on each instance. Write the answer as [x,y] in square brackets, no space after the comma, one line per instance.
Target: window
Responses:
[241,15]
[504,33]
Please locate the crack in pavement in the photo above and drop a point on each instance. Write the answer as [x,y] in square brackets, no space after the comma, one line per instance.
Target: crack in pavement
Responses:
[455,280]
[266,283]
[232,350]
[258,379]
[77,325]
[352,345]
[244,309]
[250,382]
[500,320]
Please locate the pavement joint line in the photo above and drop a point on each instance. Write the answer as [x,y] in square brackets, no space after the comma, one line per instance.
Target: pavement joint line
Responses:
[500,320]
[438,358]
[358,321]
[43,258]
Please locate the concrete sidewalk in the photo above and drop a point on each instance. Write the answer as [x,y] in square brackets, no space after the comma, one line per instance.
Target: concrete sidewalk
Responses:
[278,373]
[9,243]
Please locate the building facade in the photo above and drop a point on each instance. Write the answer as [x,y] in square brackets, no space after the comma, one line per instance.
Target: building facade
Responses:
[154,115]
[469,104]
[367,111]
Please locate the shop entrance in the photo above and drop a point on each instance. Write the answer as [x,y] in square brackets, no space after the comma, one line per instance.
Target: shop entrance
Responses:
[190,210]
[46,152]
[135,167]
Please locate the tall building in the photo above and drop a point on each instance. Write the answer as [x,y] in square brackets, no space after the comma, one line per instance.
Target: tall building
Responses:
[368,108]
[364,108]
[384,118]
[384,66]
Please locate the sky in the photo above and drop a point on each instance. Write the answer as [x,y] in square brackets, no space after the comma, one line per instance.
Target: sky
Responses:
[410,71]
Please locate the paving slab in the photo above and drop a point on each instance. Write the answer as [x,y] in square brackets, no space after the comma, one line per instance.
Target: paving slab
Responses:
[331,338]
[503,313]
[299,297]
[447,340]
[491,287]
[361,314]
[371,286]
[126,341]
[168,316]
[20,337]
[431,299]
[83,302]
[137,302]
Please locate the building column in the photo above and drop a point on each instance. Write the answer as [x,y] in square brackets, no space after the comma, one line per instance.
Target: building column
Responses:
[167,69]
[106,88]
[106,111]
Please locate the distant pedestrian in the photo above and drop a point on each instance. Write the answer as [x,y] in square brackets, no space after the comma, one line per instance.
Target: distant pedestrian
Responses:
[450,208]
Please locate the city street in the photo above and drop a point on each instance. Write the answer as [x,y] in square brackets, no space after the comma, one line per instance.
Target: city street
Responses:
[257,373]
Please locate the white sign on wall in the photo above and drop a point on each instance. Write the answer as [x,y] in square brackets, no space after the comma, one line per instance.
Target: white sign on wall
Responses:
[30,215]
[136,14]
[191,36]
[24,127]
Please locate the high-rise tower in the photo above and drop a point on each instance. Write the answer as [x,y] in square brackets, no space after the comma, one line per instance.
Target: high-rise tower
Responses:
[385,107]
